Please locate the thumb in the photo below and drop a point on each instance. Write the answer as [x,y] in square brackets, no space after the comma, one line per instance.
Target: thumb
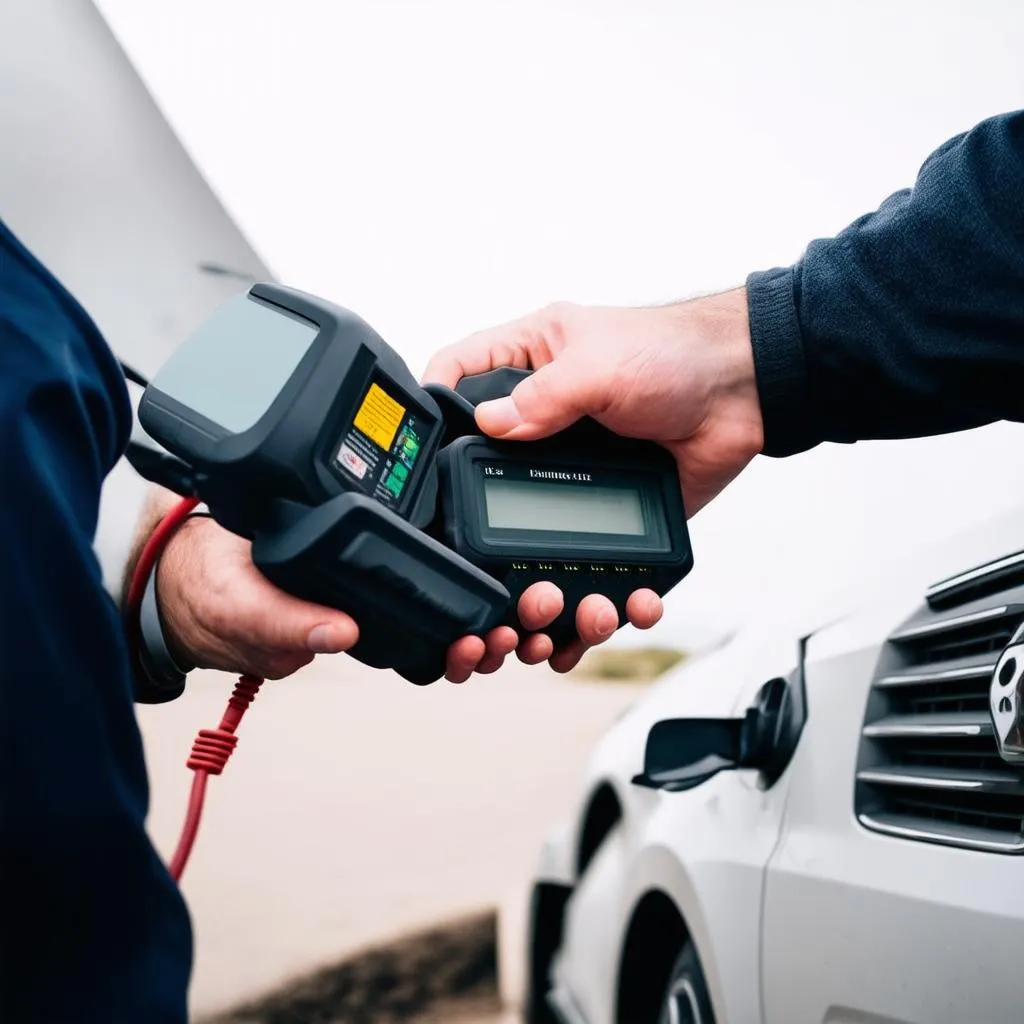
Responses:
[281,622]
[549,400]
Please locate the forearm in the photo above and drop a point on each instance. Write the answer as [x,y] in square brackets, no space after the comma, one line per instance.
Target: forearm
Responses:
[911,321]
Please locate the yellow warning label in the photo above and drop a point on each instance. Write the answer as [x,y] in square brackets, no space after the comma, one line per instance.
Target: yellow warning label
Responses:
[379,416]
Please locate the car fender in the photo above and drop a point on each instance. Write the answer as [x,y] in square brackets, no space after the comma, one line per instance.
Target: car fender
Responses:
[708,850]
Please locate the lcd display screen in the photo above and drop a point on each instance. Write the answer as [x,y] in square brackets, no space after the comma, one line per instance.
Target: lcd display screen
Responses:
[563,507]
[234,366]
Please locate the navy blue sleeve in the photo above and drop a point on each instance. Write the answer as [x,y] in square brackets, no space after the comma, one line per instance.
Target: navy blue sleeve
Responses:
[909,322]
[93,928]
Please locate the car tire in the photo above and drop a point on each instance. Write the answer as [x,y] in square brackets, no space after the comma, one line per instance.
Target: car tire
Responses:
[686,999]
[547,914]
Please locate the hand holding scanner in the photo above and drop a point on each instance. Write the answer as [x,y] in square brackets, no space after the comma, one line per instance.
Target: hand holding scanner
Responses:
[361,490]
[593,512]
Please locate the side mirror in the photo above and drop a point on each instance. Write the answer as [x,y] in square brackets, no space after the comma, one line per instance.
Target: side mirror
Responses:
[682,753]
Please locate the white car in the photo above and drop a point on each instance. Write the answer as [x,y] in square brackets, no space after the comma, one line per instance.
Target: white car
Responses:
[866,869]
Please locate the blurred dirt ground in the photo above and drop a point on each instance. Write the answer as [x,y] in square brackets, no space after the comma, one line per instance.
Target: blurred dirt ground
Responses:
[445,974]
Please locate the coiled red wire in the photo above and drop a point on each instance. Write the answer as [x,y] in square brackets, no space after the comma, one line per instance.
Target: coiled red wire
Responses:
[212,747]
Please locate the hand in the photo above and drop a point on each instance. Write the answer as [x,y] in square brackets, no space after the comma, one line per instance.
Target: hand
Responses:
[682,375]
[539,606]
[219,611]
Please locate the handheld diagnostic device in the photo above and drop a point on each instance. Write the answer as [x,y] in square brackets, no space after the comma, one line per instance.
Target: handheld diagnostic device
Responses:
[587,509]
[361,490]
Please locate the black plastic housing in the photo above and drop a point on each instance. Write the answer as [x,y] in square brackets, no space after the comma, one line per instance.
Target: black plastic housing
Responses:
[315,533]
[410,596]
[683,753]
[289,453]
[579,564]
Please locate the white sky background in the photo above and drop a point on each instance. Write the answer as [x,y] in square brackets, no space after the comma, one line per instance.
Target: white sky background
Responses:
[440,167]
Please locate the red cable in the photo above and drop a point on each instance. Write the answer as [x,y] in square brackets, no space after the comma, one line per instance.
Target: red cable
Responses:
[212,747]
[158,539]
[210,753]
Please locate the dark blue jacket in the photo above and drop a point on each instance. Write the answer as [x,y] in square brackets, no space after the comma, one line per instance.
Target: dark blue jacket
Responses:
[909,322]
[93,928]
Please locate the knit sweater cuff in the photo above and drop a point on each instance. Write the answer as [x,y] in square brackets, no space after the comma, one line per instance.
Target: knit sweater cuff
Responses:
[780,364]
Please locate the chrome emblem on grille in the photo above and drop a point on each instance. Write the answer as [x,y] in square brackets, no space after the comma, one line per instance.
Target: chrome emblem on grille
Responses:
[1006,700]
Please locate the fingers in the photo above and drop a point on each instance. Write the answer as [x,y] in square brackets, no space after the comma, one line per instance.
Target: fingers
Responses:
[550,399]
[644,609]
[272,664]
[331,637]
[535,648]
[507,345]
[596,619]
[463,657]
[532,341]
[471,654]
[220,612]
[267,617]
[568,657]
[275,638]
[539,606]
[500,643]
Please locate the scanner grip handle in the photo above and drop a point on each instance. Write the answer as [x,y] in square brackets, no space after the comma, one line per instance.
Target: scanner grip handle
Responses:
[410,596]
[486,387]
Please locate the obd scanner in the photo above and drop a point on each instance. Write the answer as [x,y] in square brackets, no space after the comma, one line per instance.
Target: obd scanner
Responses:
[304,432]
[587,509]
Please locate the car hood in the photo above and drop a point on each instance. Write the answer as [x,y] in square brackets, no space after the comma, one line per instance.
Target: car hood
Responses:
[963,550]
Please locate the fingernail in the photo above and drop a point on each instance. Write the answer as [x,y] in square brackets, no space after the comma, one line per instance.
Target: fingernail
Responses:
[547,607]
[322,639]
[499,417]
[606,622]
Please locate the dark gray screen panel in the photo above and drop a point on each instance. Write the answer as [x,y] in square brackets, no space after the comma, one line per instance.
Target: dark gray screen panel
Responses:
[234,366]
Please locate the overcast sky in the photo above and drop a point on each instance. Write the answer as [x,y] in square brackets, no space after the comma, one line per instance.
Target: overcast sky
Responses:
[439,167]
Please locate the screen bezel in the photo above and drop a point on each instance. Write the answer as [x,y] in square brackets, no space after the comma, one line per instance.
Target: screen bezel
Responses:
[279,457]
[198,439]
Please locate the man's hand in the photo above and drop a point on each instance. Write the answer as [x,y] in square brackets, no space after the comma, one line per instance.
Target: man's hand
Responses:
[682,375]
[220,612]
[540,605]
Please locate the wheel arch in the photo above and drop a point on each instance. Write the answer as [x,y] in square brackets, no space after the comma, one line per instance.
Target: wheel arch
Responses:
[603,812]
[656,933]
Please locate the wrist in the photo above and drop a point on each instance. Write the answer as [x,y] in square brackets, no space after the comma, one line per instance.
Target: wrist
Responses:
[177,617]
[722,323]
[159,678]
[157,504]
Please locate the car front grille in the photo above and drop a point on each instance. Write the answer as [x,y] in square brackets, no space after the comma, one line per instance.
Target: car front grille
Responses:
[929,767]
